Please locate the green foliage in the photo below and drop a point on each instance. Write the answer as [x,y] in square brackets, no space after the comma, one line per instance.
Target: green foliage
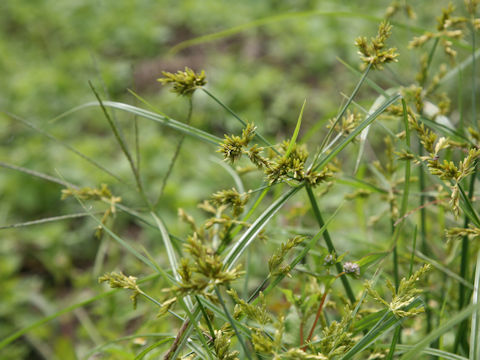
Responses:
[244,273]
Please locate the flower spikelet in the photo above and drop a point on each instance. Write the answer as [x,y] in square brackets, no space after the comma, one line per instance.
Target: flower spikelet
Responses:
[119,280]
[184,82]
[374,53]
[233,146]
[407,291]
[222,344]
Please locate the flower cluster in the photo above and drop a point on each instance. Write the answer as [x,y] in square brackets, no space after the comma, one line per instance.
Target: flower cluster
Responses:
[445,24]
[287,164]
[406,293]
[276,260]
[184,82]
[119,280]
[204,270]
[103,194]
[231,198]
[374,53]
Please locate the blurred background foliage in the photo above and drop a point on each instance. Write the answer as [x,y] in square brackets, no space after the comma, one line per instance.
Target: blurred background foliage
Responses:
[51,49]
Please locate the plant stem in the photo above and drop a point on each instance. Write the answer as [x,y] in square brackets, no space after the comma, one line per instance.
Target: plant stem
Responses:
[231,112]
[123,145]
[461,334]
[328,241]
[205,315]
[176,342]
[345,107]
[462,290]
[230,319]
[395,340]
[317,316]
[176,153]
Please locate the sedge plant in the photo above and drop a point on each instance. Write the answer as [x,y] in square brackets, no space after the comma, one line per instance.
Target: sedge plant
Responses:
[242,283]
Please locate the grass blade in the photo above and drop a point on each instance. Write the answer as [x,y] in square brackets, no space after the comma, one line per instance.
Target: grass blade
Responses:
[329,242]
[44,220]
[371,118]
[172,258]
[384,324]
[345,107]
[145,351]
[475,332]
[283,17]
[443,269]
[46,319]
[454,320]
[460,67]
[360,184]
[369,82]
[311,243]
[182,337]
[230,320]
[162,119]
[297,130]
[194,321]
[434,352]
[65,145]
[247,238]
[39,175]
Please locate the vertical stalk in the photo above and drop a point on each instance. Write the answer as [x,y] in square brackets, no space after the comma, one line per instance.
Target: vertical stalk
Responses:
[231,112]
[345,107]
[397,337]
[123,145]
[462,290]
[176,153]
[328,241]
[232,322]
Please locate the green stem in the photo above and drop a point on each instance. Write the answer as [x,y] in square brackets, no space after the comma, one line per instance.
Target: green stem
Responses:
[232,323]
[328,241]
[395,340]
[123,145]
[205,315]
[259,288]
[176,153]
[231,112]
[396,230]
[423,199]
[474,87]
[462,290]
[345,107]
[461,334]
[430,55]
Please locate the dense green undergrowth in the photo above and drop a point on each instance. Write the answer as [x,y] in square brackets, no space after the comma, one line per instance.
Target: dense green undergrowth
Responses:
[350,237]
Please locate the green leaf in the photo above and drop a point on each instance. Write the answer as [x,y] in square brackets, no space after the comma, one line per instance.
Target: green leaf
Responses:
[242,244]
[371,118]
[297,130]
[284,17]
[475,328]
[371,259]
[162,119]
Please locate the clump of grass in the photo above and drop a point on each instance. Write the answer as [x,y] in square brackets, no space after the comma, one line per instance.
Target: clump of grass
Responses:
[308,300]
